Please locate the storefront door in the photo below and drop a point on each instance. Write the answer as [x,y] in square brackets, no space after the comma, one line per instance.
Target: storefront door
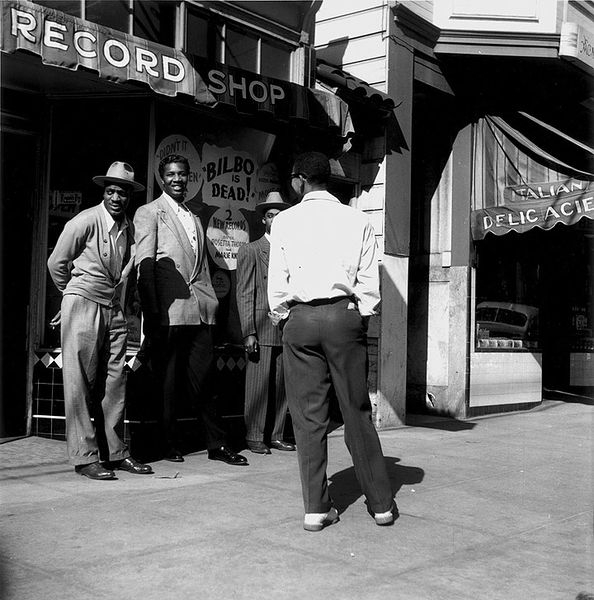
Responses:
[18,181]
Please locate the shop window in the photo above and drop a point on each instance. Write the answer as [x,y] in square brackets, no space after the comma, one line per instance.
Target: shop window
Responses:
[197,41]
[114,14]
[508,292]
[155,20]
[214,39]
[241,50]
[276,61]
[70,7]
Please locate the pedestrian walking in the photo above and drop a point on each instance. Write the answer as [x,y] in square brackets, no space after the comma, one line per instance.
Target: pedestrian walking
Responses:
[265,398]
[323,286]
[90,265]
[179,306]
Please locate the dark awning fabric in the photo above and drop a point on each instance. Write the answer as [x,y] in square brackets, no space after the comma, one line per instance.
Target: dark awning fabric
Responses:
[518,185]
[351,87]
[67,42]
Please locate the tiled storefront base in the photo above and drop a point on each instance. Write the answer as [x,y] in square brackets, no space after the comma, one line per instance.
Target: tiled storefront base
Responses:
[140,422]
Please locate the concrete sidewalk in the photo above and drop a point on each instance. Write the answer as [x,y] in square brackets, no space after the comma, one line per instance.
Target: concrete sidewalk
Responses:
[494,508]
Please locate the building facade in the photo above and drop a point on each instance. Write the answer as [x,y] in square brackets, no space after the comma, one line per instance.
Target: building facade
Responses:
[228,84]
[484,205]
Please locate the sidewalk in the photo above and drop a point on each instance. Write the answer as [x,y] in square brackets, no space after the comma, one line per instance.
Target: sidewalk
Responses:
[499,507]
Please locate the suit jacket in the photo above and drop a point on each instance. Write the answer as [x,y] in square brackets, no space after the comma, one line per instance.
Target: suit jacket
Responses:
[251,293]
[173,281]
[79,263]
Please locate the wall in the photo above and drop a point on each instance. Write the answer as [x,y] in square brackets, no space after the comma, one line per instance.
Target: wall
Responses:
[354,35]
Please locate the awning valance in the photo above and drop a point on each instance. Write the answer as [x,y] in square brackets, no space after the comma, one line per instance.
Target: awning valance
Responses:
[518,185]
[68,42]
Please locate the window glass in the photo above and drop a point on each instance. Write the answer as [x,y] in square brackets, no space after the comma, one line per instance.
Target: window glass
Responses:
[197,35]
[70,7]
[155,20]
[275,61]
[241,50]
[114,14]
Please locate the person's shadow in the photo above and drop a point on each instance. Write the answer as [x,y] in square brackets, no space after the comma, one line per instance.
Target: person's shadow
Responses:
[345,489]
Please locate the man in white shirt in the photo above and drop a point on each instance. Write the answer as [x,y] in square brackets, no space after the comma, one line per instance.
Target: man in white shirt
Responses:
[323,286]
[89,265]
[179,307]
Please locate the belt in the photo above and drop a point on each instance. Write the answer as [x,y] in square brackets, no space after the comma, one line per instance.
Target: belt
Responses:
[324,301]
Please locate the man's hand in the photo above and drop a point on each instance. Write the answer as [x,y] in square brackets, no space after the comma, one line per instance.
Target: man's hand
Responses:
[56,320]
[250,344]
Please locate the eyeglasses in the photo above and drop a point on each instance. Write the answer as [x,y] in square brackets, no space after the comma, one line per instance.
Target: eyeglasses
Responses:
[295,175]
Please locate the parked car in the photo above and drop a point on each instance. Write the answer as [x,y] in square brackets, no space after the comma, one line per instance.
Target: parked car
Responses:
[508,320]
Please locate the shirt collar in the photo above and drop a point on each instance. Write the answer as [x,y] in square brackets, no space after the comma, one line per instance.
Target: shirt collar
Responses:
[267,236]
[111,223]
[174,204]
[320,195]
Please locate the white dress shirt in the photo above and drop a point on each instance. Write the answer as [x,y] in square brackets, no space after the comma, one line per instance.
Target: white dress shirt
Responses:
[117,238]
[186,218]
[322,249]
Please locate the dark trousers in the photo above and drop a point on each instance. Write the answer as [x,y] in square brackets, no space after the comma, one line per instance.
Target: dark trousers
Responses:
[324,345]
[182,357]
[265,398]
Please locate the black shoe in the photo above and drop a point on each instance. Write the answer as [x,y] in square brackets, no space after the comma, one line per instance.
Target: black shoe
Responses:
[133,466]
[173,455]
[280,445]
[231,458]
[258,447]
[95,471]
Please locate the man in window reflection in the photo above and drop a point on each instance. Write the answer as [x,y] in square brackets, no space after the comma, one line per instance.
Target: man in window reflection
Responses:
[179,306]
[90,265]
[265,397]
[323,284]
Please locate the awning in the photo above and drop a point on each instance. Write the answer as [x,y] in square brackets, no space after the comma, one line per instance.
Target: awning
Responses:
[518,185]
[68,42]
[351,87]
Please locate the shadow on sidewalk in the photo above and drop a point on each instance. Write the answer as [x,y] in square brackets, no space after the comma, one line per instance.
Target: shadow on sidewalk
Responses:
[345,489]
[437,422]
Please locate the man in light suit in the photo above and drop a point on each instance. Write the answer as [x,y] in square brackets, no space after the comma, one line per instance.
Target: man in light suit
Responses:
[179,306]
[89,265]
[264,385]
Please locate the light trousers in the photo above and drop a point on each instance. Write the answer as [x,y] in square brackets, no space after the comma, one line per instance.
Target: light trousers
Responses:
[93,359]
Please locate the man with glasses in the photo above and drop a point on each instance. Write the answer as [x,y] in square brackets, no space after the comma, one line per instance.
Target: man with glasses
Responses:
[323,286]
[90,265]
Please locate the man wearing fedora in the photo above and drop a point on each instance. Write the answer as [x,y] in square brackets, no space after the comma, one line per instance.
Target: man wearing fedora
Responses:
[179,307]
[90,265]
[264,384]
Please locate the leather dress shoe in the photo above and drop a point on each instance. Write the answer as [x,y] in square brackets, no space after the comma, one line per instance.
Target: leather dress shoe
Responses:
[133,466]
[281,445]
[228,456]
[95,471]
[173,455]
[258,447]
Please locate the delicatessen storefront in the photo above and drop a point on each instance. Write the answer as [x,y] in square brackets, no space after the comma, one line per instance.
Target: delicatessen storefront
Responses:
[532,228]
[78,96]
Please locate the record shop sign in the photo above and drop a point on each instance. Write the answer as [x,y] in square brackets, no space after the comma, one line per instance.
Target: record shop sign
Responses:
[68,42]
[541,205]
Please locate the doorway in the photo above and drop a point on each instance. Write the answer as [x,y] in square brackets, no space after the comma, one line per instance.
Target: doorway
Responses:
[17,184]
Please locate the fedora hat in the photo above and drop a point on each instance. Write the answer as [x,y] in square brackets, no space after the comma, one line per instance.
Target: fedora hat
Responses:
[119,172]
[273,200]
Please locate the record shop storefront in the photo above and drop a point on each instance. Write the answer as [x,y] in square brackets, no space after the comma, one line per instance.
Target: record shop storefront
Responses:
[533,231]
[78,96]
